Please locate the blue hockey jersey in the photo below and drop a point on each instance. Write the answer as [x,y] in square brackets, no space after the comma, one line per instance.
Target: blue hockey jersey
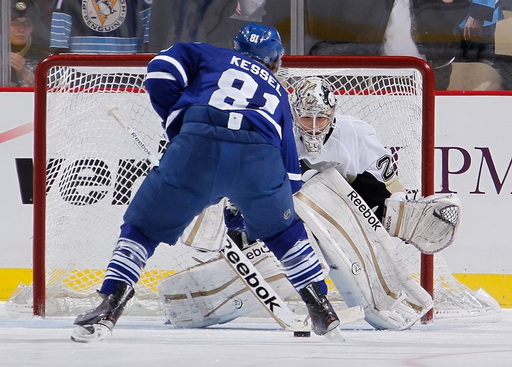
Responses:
[198,73]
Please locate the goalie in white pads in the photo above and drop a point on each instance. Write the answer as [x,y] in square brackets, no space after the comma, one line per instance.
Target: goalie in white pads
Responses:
[352,240]
[325,139]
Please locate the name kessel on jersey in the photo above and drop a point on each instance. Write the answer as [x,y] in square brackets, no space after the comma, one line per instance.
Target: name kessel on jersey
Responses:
[256,69]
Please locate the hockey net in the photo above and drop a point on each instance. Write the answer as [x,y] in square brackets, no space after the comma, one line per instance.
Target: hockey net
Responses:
[87,168]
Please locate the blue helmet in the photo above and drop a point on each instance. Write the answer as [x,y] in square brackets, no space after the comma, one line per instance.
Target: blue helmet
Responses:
[260,42]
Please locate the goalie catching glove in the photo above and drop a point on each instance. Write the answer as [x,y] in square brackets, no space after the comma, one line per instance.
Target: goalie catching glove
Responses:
[429,224]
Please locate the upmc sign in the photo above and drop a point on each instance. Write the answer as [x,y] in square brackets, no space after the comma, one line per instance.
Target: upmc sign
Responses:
[480,164]
[473,158]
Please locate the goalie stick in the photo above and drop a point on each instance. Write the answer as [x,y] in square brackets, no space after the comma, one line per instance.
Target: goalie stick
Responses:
[243,268]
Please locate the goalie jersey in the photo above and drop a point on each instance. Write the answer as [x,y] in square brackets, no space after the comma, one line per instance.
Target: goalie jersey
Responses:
[189,74]
[94,26]
[354,150]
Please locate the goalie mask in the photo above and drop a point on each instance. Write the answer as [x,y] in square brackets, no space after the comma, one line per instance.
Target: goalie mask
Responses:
[313,104]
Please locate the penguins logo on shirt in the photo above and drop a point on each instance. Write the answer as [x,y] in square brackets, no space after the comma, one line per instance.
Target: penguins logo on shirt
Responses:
[104,15]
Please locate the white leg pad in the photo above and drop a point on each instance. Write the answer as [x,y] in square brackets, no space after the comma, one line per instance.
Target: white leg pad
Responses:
[212,293]
[360,253]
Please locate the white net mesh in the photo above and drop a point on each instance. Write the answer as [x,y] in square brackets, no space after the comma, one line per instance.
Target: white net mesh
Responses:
[94,168]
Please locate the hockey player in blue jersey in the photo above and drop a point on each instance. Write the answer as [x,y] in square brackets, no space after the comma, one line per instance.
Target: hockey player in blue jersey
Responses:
[230,126]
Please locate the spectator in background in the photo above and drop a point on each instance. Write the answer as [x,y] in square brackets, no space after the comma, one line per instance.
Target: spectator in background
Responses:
[100,26]
[503,41]
[212,21]
[479,28]
[208,21]
[25,55]
[250,10]
[426,28]
[347,27]
[436,33]
[46,9]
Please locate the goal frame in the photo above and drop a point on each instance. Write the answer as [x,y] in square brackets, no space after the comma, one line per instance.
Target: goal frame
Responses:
[138,60]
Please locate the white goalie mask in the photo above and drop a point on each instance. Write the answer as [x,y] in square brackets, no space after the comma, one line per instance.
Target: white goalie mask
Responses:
[313,105]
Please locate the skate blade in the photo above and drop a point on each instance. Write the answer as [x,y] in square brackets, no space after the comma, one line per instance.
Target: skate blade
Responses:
[335,336]
[90,333]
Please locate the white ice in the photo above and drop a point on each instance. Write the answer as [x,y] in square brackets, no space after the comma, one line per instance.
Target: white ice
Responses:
[143,343]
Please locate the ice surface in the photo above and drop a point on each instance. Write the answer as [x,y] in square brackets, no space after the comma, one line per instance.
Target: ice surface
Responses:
[144,343]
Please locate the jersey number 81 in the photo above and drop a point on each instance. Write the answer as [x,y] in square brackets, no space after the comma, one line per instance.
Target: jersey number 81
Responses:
[236,88]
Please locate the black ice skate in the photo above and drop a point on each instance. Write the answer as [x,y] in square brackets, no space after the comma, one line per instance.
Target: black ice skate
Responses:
[323,317]
[95,325]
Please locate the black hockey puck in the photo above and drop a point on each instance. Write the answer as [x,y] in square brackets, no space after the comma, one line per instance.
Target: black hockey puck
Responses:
[302,334]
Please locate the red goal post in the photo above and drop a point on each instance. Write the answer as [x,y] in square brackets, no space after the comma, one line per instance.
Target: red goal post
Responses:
[312,64]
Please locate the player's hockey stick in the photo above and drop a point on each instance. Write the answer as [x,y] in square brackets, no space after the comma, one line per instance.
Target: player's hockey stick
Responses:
[243,268]
[259,287]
